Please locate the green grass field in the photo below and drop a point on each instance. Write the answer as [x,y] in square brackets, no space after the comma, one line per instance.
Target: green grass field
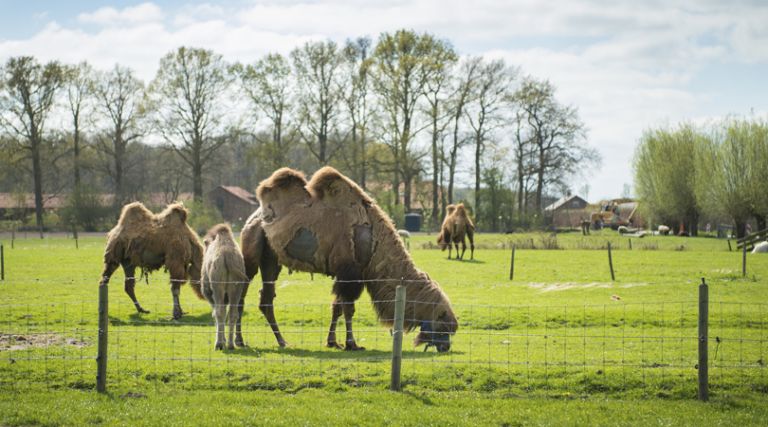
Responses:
[560,344]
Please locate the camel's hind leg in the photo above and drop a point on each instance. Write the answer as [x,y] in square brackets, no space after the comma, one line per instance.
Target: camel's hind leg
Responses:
[463,246]
[335,314]
[233,291]
[471,235]
[178,277]
[348,287]
[130,283]
[270,269]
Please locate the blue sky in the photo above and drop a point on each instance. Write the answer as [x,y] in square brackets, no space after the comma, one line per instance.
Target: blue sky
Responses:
[626,65]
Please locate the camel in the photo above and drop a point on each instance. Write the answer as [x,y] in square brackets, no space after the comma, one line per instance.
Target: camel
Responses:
[142,239]
[456,227]
[223,280]
[330,226]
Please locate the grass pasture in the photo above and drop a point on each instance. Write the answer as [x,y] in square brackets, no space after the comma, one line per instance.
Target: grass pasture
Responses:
[562,340]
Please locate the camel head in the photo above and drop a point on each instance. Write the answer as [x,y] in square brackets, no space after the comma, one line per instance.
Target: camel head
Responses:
[437,327]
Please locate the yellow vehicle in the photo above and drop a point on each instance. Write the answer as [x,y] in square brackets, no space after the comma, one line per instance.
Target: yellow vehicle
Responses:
[609,215]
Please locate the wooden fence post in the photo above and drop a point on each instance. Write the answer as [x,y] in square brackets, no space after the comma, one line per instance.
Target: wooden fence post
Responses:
[703,341]
[610,261]
[397,342]
[631,246]
[729,245]
[2,263]
[101,359]
[512,265]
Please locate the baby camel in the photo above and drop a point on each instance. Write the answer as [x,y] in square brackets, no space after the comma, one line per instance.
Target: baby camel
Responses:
[223,280]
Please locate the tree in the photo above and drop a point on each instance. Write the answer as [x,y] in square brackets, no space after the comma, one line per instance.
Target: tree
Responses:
[189,92]
[320,86]
[267,86]
[79,83]
[27,96]
[557,136]
[463,93]
[400,82]
[437,74]
[358,104]
[119,96]
[665,178]
[493,87]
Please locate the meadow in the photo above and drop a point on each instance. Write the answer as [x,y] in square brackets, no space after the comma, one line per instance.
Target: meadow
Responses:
[562,343]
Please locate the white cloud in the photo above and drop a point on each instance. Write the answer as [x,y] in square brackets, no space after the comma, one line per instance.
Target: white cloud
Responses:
[143,13]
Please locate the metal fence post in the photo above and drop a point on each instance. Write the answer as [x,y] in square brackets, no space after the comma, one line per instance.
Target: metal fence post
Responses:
[610,261]
[512,265]
[397,342]
[631,246]
[703,341]
[101,359]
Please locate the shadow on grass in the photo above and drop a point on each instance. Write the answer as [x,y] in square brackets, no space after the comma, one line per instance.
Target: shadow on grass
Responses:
[362,356]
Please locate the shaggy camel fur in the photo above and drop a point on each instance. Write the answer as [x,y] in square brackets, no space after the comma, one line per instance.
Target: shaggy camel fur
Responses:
[142,239]
[330,226]
[456,228]
[223,280]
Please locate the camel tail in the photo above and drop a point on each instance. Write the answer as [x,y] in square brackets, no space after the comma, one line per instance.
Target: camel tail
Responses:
[195,271]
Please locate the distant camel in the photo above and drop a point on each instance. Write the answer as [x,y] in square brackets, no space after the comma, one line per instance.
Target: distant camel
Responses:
[456,228]
[223,280]
[331,226]
[142,239]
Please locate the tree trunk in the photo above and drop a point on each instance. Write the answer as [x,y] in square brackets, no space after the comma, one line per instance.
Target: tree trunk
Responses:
[38,176]
[197,174]
[77,154]
[478,152]
[761,222]
[435,166]
[741,228]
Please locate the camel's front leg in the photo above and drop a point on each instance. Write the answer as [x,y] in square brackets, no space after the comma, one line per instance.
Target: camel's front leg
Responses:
[233,291]
[130,283]
[335,314]
[176,291]
[270,269]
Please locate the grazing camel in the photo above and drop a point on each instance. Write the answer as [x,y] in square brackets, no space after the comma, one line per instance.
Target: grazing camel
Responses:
[223,280]
[456,228]
[142,239]
[331,226]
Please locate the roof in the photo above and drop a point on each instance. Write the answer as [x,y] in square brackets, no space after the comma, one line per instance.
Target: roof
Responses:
[562,201]
[240,193]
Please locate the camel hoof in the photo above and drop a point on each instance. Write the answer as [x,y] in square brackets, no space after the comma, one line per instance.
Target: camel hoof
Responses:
[141,310]
[334,345]
[353,347]
[241,344]
[231,347]
[219,346]
[284,344]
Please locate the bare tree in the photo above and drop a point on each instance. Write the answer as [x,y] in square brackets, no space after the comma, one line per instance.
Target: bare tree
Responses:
[437,70]
[359,104]
[80,81]
[320,85]
[267,86]
[189,91]
[119,96]
[557,134]
[27,96]
[463,93]
[492,89]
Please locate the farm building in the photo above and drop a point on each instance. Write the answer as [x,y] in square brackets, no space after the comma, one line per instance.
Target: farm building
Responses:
[235,204]
[567,211]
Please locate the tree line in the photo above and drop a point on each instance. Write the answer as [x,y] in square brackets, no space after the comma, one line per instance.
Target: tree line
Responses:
[403,111]
[696,174]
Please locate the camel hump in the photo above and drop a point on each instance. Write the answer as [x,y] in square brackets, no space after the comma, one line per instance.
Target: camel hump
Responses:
[328,183]
[222,230]
[283,178]
[135,213]
[174,211]
[461,210]
[450,209]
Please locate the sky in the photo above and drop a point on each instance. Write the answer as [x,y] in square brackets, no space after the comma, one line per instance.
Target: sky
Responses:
[626,65]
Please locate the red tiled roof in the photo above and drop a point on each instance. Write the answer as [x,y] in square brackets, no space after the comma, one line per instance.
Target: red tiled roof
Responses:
[241,193]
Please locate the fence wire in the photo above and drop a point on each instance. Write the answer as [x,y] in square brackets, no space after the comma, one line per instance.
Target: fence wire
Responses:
[623,349]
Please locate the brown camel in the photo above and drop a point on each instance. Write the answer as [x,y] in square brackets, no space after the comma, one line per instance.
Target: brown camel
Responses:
[223,280]
[142,239]
[456,228]
[330,226]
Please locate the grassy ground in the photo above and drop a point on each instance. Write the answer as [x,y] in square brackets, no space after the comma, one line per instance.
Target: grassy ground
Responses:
[562,329]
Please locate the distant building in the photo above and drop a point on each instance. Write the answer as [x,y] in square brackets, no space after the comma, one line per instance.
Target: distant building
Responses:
[571,202]
[567,211]
[235,204]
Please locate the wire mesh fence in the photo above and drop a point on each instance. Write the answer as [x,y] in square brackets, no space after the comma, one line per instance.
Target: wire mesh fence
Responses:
[622,349]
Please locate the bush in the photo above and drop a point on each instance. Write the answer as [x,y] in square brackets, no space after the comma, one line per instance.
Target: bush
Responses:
[84,209]
[203,216]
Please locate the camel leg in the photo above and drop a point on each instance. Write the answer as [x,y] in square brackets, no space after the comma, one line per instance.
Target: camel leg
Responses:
[178,272]
[349,311]
[270,269]
[335,314]
[219,315]
[130,283]
[348,287]
[234,312]
[463,247]
[471,235]
[240,307]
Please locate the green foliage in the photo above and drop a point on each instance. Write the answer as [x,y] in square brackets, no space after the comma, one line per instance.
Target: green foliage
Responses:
[203,216]
[84,209]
